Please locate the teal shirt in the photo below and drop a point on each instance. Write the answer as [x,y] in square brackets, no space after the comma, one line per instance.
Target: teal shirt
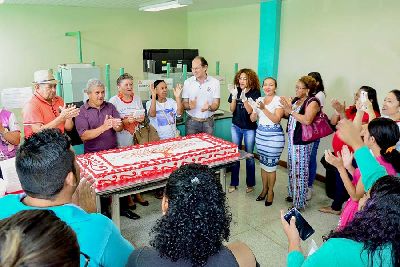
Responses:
[342,251]
[97,235]
[339,252]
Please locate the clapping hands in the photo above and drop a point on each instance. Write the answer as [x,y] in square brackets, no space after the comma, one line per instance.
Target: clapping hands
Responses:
[286,106]
[233,90]
[110,122]
[69,111]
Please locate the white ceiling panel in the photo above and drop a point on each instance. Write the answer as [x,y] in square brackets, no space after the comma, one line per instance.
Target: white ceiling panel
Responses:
[197,4]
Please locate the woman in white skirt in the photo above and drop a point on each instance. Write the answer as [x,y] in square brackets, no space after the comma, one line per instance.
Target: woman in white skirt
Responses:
[270,138]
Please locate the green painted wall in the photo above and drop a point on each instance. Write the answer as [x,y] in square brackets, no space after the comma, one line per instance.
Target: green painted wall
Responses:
[350,42]
[32,38]
[228,35]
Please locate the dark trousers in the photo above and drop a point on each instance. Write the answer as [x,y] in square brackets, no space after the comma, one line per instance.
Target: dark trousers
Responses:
[341,194]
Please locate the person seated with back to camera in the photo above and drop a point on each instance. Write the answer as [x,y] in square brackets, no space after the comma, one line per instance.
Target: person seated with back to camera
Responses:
[194,224]
[23,242]
[97,235]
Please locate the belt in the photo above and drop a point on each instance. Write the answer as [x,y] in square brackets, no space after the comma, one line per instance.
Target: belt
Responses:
[200,119]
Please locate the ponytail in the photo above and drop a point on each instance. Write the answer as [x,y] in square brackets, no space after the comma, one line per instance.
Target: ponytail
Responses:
[392,156]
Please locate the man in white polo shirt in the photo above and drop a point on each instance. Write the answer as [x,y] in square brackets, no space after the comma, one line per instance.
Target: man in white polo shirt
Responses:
[201,97]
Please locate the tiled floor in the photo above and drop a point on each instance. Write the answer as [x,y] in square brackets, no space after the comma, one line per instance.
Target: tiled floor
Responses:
[253,223]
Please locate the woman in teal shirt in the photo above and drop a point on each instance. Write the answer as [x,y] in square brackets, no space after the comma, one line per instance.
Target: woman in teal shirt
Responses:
[373,237]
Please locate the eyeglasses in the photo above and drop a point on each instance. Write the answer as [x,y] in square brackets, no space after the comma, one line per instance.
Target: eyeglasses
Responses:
[300,88]
[87,258]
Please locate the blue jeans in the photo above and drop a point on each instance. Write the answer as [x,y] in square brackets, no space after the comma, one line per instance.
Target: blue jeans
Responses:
[238,134]
[312,173]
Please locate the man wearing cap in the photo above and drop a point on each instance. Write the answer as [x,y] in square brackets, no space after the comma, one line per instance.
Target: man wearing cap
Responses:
[201,97]
[45,109]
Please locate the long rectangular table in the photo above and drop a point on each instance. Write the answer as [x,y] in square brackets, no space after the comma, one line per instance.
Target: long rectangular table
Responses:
[120,191]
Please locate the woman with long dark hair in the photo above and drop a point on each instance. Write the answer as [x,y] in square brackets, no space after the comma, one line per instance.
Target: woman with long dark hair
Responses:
[194,225]
[354,114]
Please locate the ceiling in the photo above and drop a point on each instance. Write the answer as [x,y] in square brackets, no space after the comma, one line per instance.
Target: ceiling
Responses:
[197,4]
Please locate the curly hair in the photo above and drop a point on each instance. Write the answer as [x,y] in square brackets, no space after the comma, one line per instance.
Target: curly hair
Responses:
[378,224]
[386,134]
[36,238]
[252,78]
[310,83]
[124,77]
[197,220]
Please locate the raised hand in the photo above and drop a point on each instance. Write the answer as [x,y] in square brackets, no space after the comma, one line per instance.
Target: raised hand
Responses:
[285,104]
[243,96]
[85,195]
[153,91]
[253,104]
[108,122]
[337,162]
[349,133]
[339,107]
[69,112]
[260,105]
[193,103]
[116,122]
[178,90]
[368,106]
[347,157]
[233,90]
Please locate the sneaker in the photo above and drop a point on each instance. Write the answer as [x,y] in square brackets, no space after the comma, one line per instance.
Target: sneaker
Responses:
[309,193]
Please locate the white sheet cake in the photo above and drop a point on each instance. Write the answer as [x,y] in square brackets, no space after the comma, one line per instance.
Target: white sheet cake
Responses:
[135,164]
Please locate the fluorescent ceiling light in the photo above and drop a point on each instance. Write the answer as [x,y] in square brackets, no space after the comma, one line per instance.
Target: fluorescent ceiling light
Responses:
[165,5]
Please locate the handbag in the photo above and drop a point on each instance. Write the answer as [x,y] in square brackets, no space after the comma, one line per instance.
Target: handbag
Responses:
[319,128]
[145,134]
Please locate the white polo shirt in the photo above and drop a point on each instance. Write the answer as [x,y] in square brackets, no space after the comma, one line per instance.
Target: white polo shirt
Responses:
[205,93]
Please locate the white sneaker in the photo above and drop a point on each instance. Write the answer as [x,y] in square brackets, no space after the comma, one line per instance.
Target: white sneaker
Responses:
[309,193]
